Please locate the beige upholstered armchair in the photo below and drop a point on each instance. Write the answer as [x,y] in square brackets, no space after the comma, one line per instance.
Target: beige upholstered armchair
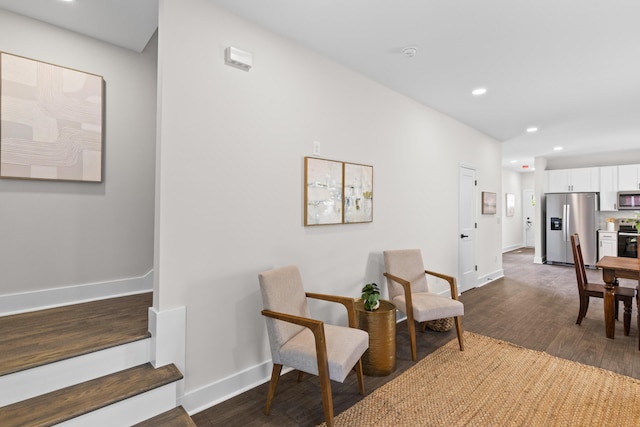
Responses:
[409,291]
[305,344]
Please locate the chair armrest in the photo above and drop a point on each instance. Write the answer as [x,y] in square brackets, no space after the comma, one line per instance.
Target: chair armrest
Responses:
[298,320]
[349,304]
[407,292]
[405,283]
[450,279]
[317,328]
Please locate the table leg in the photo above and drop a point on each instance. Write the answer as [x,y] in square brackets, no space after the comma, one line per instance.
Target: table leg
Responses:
[609,303]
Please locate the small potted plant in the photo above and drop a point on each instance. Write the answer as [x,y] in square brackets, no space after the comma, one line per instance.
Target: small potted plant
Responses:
[371,296]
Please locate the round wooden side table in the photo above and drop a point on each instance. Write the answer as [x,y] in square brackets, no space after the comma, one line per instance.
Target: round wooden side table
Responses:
[380,359]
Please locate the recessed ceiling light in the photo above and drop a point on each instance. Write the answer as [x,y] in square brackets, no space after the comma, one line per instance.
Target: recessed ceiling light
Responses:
[479,91]
[557,148]
[514,161]
[532,129]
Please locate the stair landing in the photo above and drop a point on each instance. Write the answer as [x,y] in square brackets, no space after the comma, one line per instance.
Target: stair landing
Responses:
[37,338]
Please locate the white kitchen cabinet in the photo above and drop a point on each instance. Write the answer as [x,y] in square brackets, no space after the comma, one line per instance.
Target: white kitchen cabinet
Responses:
[607,243]
[573,180]
[628,177]
[609,188]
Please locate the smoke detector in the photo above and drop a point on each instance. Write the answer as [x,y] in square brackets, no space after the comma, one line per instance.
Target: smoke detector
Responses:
[410,51]
[238,58]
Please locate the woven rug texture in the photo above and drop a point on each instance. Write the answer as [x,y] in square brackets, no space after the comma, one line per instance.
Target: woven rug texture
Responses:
[496,383]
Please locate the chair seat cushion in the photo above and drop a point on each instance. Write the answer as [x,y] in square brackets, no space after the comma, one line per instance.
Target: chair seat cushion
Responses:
[344,347]
[430,306]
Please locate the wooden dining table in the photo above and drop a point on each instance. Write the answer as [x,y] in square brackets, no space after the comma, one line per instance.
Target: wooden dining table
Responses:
[613,268]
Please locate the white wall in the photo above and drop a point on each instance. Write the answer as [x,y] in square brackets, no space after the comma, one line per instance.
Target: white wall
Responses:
[58,234]
[230,170]
[512,230]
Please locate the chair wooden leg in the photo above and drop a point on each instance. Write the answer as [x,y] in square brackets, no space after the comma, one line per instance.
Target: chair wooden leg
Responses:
[458,321]
[358,369]
[327,399]
[584,305]
[628,303]
[300,376]
[412,335]
[275,376]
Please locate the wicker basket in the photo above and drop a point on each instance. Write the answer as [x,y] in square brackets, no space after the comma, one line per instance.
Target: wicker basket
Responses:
[440,325]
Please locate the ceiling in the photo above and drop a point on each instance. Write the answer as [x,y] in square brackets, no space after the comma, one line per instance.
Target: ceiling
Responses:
[571,68]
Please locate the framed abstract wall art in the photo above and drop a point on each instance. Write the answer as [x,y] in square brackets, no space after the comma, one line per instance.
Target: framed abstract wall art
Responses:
[51,121]
[337,192]
[488,203]
[510,205]
[358,193]
[322,191]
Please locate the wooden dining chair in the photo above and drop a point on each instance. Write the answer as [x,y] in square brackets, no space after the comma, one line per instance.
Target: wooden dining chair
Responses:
[587,290]
[306,344]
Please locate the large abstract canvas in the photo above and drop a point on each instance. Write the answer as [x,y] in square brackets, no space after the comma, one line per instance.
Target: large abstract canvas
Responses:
[51,121]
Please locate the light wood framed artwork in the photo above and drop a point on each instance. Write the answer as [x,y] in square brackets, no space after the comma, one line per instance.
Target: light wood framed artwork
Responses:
[323,180]
[510,204]
[489,203]
[51,121]
[358,193]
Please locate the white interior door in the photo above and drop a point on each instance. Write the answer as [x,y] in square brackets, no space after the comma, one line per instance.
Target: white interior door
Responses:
[529,217]
[468,222]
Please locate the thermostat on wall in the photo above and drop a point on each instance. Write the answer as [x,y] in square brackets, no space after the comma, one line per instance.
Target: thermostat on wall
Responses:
[238,58]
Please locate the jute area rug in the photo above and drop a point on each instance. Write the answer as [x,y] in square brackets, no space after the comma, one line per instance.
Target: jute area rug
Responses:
[496,383]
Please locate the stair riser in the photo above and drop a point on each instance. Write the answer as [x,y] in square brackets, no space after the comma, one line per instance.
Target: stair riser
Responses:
[54,376]
[131,411]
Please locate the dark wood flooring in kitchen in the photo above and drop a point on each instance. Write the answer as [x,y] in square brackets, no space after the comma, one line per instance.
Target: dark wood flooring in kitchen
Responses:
[534,306]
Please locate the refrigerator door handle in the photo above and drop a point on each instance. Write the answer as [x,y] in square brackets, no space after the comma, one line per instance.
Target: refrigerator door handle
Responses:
[566,212]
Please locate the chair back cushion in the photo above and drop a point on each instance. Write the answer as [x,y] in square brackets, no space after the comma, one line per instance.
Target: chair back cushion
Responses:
[282,291]
[406,264]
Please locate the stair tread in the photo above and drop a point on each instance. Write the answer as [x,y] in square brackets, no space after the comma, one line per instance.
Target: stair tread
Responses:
[177,417]
[37,338]
[65,404]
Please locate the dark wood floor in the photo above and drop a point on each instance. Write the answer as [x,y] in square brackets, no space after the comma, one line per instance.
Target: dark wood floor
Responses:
[534,306]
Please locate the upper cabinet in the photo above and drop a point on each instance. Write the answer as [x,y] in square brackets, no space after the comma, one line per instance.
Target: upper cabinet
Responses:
[628,177]
[573,180]
[609,188]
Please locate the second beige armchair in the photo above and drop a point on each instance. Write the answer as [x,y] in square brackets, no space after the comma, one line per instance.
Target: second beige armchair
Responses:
[409,291]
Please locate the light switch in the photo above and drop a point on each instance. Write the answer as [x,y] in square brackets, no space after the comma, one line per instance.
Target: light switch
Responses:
[316,148]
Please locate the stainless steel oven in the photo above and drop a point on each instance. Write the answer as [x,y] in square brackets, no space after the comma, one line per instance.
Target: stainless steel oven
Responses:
[627,240]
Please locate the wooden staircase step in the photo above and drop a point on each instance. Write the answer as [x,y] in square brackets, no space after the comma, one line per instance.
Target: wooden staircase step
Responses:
[37,338]
[176,417]
[65,404]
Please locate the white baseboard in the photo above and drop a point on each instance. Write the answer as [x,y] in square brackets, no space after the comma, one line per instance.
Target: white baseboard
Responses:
[488,278]
[168,339]
[512,247]
[539,260]
[49,298]
[226,388]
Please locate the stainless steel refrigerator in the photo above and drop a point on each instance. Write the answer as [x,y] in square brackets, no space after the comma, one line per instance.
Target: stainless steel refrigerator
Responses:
[569,213]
